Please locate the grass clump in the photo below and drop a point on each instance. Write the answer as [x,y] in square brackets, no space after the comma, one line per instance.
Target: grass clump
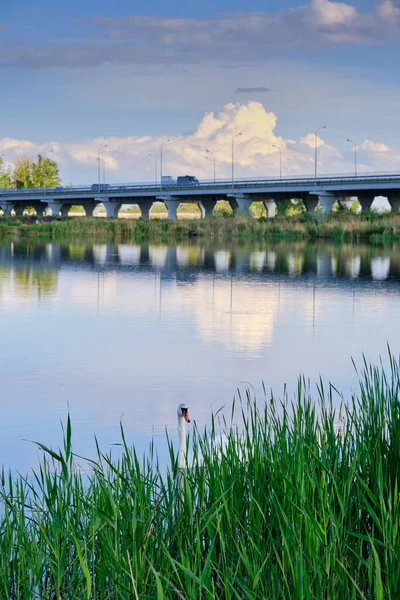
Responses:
[301,501]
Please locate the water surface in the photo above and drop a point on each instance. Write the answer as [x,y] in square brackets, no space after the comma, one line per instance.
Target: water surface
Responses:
[126,332]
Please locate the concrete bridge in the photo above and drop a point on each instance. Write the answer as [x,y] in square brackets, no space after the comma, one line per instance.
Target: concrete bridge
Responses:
[240,195]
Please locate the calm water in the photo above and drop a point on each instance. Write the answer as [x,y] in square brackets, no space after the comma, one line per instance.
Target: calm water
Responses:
[127,332]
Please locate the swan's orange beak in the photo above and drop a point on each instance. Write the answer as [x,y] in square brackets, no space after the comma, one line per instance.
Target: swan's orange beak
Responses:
[185,415]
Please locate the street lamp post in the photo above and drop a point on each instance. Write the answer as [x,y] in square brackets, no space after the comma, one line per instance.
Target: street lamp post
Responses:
[155,168]
[103,162]
[280,160]
[316,151]
[213,155]
[233,156]
[44,169]
[98,165]
[355,156]
[2,159]
[161,165]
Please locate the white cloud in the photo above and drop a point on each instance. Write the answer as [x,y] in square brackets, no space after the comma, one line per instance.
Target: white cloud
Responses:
[325,12]
[233,36]
[309,140]
[127,158]
[387,10]
[17,146]
[374,147]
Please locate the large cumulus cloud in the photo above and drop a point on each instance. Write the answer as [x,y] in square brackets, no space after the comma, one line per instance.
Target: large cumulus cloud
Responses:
[256,151]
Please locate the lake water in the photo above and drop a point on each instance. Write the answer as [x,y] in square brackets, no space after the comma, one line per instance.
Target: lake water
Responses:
[126,332]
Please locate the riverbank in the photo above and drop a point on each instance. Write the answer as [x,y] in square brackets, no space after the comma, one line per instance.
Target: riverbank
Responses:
[298,502]
[371,228]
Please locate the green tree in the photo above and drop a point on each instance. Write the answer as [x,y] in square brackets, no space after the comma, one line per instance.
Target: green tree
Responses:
[22,173]
[258,210]
[5,176]
[296,208]
[42,173]
[45,172]
[283,207]
[291,208]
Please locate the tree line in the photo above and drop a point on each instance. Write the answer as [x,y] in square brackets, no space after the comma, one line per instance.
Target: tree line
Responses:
[29,173]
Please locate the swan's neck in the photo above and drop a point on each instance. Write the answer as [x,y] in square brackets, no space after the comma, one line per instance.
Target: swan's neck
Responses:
[182,444]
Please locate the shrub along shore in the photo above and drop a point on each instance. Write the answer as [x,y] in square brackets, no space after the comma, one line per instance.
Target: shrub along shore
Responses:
[300,502]
[337,226]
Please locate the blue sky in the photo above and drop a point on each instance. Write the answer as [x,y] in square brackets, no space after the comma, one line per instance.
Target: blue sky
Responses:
[85,71]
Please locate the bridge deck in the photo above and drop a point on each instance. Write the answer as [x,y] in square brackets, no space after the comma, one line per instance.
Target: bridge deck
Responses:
[240,194]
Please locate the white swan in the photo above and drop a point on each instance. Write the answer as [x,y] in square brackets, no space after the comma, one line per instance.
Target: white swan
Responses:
[183,418]
[218,448]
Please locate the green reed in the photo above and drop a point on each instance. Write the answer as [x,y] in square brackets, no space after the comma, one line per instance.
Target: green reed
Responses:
[300,501]
[340,227]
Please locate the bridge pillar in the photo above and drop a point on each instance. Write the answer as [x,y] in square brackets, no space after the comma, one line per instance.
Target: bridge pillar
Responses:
[112,208]
[310,202]
[7,207]
[326,199]
[39,208]
[365,201]
[206,207]
[241,202]
[270,206]
[172,207]
[91,210]
[53,208]
[19,210]
[65,209]
[394,201]
[145,207]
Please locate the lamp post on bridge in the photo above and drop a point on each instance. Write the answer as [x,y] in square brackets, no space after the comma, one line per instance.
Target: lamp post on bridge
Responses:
[44,169]
[316,151]
[355,156]
[103,162]
[161,155]
[98,165]
[1,159]
[213,155]
[233,156]
[155,168]
[280,160]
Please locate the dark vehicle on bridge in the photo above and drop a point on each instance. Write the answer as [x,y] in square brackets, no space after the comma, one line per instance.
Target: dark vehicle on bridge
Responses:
[187,180]
[102,186]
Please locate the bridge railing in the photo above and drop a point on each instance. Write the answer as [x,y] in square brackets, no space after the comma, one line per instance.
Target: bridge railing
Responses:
[381,177]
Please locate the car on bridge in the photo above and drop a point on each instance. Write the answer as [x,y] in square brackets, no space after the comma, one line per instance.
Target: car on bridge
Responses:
[182,180]
[100,186]
[187,180]
[167,180]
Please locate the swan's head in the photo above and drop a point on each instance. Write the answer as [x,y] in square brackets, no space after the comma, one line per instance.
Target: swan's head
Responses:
[183,412]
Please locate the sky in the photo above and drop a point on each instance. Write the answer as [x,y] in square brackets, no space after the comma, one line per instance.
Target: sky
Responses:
[78,75]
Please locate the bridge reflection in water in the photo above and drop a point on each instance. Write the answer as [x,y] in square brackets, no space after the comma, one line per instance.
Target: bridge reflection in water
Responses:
[187,262]
[240,288]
